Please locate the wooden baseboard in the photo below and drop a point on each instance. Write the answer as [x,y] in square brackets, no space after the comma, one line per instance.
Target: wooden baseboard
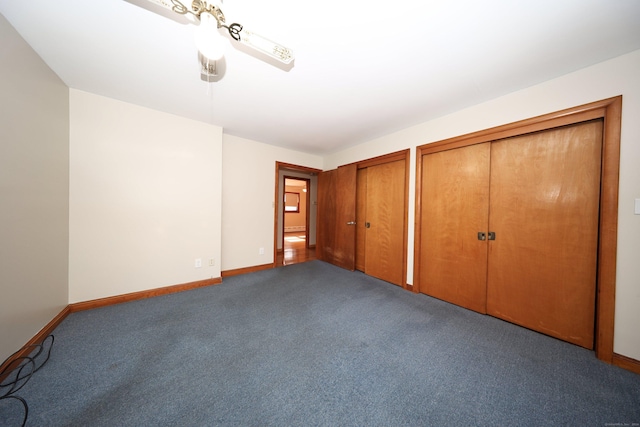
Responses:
[237,271]
[626,363]
[37,339]
[408,287]
[119,299]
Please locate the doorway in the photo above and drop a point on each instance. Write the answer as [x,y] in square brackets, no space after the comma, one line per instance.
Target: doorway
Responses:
[295,220]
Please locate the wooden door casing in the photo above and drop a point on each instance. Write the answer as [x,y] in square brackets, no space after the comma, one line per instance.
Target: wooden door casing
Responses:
[455,207]
[545,192]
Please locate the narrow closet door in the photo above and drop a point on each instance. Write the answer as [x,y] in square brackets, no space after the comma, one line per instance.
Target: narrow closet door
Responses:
[361,215]
[385,221]
[545,191]
[454,209]
[345,240]
[326,219]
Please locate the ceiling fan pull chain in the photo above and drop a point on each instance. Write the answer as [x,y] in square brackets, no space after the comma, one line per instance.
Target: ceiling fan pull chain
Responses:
[234,31]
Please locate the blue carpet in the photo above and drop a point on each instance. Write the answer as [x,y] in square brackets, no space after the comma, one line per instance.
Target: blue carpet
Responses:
[314,345]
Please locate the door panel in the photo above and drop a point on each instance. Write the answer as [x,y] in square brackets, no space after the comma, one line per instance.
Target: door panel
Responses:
[455,207]
[326,216]
[385,212]
[345,239]
[361,214]
[545,191]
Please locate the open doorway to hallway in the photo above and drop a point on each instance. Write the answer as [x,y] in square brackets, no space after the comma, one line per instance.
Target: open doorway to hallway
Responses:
[296,208]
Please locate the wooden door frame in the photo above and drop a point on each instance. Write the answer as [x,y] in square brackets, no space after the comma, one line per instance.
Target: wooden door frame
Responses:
[308,211]
[611,111]
[276,205]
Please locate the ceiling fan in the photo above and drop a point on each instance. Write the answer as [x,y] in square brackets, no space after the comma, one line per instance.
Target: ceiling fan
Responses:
[210,19]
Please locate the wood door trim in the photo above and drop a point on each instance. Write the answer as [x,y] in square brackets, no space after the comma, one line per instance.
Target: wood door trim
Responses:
[385,158]
[611,111]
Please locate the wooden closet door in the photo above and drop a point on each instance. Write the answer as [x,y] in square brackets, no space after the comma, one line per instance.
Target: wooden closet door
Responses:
[545,191]
[454,208]
[326,217]
[345,240]
[385,212]
[361,215]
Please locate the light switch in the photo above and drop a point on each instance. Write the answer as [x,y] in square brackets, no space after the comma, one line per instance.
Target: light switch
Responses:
[637,209]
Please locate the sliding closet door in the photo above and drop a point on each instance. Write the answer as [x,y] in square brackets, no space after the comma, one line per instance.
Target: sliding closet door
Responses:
[545,192]
[385,221]
[455,208]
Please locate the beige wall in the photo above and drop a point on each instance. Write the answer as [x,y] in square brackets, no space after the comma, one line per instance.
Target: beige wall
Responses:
[248,198]
[34,192]
[145,198]
[618,76]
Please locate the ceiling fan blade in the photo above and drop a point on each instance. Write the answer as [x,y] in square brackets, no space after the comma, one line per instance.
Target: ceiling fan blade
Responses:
[261,44]
[172,9]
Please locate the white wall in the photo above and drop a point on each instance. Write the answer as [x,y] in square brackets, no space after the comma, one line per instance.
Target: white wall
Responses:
[145,198]
[618,76]
[34,192]
[248,197]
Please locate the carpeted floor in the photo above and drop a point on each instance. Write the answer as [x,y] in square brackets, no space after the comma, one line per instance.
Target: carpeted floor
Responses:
[314,345]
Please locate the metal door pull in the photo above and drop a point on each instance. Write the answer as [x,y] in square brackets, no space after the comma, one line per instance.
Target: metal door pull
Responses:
[482,236]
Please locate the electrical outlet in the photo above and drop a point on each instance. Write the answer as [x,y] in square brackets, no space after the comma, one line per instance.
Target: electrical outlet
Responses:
[261,251]
[212,262]
[198,262]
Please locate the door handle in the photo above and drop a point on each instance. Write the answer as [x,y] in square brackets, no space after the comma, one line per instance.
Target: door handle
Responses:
[351,223]
[482,235]
[492,235]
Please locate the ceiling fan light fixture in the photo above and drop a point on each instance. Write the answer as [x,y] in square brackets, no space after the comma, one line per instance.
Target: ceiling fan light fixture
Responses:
[209,41]
[266,46]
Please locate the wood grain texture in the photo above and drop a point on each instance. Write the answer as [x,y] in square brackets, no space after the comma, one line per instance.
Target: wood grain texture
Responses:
[545,193]
[326,219]
[345,239]
[385,212]
[361,214]
[610,110]
[455,207]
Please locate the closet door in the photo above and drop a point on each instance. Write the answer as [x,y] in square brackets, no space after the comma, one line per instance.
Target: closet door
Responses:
[345,239]
[454,209]
[385,221]
[326,223]
[545,192]
[361,215]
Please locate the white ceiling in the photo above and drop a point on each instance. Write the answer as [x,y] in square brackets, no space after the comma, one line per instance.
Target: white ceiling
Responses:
[363,68]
